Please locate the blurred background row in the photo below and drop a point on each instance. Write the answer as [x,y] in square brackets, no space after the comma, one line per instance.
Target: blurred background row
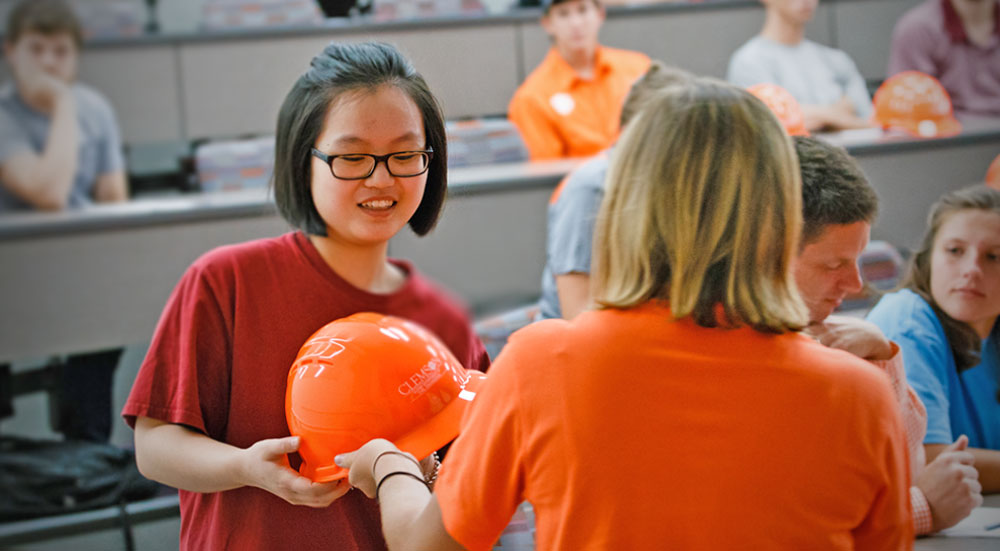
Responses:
[121,18]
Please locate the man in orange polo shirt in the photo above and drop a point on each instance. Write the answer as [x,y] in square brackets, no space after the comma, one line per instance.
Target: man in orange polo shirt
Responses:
[569,105]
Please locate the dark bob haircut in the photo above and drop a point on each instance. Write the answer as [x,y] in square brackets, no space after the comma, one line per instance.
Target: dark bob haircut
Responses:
[339,69]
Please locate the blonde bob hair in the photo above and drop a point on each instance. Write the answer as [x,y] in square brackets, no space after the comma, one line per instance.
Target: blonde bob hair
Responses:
[704,210]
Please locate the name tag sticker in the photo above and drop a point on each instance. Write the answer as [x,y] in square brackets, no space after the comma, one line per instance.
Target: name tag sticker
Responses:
[563,103]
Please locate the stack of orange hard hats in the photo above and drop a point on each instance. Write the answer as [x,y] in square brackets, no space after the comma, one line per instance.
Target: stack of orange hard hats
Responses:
[916,103]
[784,106]
[374,376]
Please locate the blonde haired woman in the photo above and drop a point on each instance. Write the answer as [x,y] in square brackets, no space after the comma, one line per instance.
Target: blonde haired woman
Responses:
[686,411]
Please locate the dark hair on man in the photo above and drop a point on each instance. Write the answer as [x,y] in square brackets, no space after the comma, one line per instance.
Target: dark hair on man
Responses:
[965,343]
[340,69]
[656,78]
[834,189]
[47,17]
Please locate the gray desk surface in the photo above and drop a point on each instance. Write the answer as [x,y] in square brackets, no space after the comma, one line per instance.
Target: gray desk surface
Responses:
[463,181]
[874,141]
[46,528]
[175,209]
[939,543]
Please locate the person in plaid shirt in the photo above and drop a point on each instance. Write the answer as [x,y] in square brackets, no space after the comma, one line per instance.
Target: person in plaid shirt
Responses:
[839,206]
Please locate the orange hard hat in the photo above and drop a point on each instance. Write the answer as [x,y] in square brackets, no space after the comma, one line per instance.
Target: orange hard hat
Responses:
[784,106]
[374,376]
[993,174]
[916,103]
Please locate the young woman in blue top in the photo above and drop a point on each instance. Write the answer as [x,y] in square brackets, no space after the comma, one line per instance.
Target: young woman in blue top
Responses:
[945,321]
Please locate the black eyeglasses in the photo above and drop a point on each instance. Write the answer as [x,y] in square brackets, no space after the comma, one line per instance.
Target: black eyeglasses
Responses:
[358,166]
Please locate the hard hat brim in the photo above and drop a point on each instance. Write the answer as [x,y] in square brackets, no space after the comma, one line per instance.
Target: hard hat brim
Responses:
[445,426]
[424,440]
[943,128]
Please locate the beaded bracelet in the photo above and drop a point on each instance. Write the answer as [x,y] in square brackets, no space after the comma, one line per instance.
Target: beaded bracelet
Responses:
[434,472]
[398,473]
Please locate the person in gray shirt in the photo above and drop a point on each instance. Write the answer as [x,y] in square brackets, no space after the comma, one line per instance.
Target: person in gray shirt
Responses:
[824,80]
[59,140]
[573,211]
[59,148]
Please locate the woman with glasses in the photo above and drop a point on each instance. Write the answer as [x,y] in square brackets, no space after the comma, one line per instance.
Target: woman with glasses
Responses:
[360,153]
[686,411]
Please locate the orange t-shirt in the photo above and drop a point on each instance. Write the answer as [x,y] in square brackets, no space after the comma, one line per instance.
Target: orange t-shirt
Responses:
[628,430]
[560,114]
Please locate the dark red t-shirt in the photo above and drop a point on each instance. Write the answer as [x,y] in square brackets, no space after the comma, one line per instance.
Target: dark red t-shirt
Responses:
[218,363]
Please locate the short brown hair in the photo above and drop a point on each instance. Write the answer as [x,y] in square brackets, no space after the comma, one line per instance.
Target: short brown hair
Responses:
[43,16]
[834,189]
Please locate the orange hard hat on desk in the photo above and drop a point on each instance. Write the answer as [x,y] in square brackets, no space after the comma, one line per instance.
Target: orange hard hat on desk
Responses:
[916,103]
[784,106]
[993,174]
[374,376]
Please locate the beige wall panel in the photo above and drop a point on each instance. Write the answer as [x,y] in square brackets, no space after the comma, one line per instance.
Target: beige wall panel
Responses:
[534,45]
[61,296]
[700,41]
[864,31]
[141,84]
[908,183]
[488,248]
[236,87]
[472,71]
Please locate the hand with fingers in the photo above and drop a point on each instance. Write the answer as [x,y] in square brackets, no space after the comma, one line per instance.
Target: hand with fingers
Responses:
[362,462]
[859,337]
[265,465]
[951,485]
[38,86]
